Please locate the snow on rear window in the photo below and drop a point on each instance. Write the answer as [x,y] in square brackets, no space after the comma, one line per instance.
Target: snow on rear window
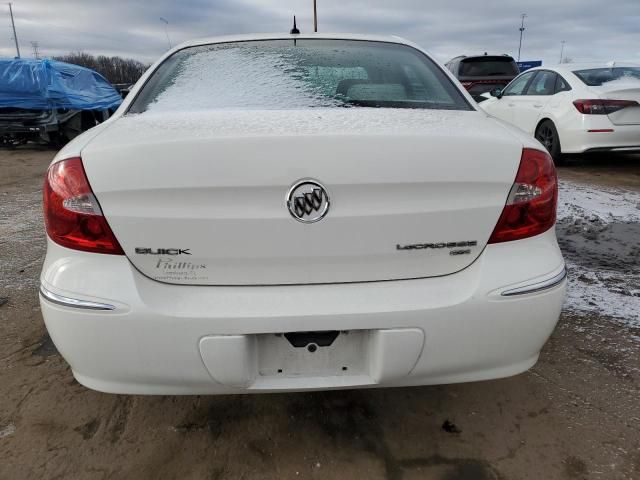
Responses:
[236,78]
[287,74]
[622,76]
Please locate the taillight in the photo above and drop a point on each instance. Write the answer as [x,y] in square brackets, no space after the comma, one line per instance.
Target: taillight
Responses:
[531,206]
[468,85]
[602,106]
[72,215]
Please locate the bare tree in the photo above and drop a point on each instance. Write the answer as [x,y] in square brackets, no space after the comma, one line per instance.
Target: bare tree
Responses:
[114,69]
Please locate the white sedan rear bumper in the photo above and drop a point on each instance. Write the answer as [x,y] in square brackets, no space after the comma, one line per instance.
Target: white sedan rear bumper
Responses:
[487,321]
[596,132]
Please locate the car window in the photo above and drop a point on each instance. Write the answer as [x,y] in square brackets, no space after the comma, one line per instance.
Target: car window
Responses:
[301,73]
[544,83]
[517,86]
[338,80]
[561,84]
[596,77]
[488,67]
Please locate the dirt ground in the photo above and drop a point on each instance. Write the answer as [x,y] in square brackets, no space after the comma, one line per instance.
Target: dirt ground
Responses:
[575,415]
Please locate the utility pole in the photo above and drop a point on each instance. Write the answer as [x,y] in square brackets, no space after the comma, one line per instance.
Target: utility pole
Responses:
[36,51]
[562,49]
[166,30]
[522,29]
[15,36]
[315,16]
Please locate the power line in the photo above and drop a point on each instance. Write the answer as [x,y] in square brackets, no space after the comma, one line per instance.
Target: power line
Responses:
[166,30]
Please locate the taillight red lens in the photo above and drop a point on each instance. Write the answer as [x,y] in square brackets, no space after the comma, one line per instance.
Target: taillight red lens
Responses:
[467,85]
[602,106]
[531,206]
[72,215]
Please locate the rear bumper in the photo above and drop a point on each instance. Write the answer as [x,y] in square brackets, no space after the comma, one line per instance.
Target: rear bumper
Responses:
[580,140]
[164,339]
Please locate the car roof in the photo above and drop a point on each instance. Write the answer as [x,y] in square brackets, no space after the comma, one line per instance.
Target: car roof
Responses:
[572,67]
[588,65]
[484,55]
[289,36]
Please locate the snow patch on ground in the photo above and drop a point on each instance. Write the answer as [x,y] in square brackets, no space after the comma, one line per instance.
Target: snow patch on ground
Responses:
[7,430]
[607,204]
[597,228]
[591,291]
[20,217]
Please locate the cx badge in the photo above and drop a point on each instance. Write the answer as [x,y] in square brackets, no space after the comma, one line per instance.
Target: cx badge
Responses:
[308,201]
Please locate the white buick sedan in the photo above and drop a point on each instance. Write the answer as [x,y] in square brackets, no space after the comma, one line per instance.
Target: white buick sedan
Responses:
[574,108]
[282,213]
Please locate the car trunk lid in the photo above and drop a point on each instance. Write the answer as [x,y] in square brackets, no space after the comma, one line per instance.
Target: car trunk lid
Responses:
[200,198]
[622,89]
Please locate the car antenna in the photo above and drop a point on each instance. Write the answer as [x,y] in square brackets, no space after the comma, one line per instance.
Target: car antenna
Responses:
[294,30]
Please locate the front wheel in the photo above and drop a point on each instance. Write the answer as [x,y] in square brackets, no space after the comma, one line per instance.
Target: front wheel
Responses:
[547,134]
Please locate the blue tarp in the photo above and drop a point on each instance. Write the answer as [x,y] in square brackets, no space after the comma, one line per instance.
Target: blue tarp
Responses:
[48,84]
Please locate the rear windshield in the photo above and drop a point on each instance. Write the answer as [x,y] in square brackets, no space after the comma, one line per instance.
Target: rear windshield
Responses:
[296,74]
[595,77]
[488,67]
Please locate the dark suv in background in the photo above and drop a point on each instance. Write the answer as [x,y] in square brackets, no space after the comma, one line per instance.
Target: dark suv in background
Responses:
[483,73]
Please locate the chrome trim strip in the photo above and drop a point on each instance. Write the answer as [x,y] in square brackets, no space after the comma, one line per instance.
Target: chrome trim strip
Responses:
[537,287]
[625,149]
[73,302]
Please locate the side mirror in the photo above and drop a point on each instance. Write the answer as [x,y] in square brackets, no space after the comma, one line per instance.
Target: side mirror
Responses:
[496,92]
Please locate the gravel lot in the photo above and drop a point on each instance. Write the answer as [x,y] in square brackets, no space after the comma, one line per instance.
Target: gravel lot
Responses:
[575,415]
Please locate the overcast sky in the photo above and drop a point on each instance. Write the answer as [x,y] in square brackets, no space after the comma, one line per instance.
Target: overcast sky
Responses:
[593,29]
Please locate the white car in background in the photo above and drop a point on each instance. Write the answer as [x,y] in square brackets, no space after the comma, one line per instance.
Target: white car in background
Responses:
[573,108]
[298,212]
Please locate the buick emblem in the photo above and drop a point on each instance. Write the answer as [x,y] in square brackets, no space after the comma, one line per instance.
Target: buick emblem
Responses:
[308,201]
